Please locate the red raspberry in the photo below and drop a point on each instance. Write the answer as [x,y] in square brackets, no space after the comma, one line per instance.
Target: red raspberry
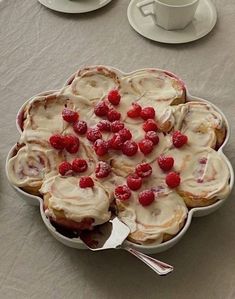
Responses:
[113,115]
[114,97]
[172,179]
[151,135]
[57,141]
[135,111]
[125,134]
[147,112]
[179,139]
[80,127]
[79,165]
[115,142]
[150,125]
[143,170]
[64,168]
[134,182]
[93,134]
[146,146]
[86,182]
[165,163]
[101,147]
[129,148]
[69,115]
[71,143]
[116,126]
[102,170]
[122,192]
[101,109]
[104,125]
[146,197]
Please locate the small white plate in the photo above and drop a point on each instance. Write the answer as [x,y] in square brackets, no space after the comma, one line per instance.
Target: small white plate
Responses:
[203,22]
[74,6]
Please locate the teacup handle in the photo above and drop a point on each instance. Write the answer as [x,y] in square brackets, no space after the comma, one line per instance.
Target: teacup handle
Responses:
[142,4]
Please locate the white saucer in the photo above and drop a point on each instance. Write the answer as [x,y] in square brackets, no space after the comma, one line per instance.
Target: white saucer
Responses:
[74,6]
[203,22]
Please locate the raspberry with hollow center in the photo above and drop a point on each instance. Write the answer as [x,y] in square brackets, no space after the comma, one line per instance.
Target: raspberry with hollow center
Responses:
[71,143]
[116,126]
[113,115]
[151,135]
[146,146]
[79,165]
[165,163]
[134,182]
[150,125]
[129,148]
[101,147]
[86,182]
[101,109]
[93,134]
[179,139]
[64,168]
[143,170]
[57,141]
[114,97]
[80,127]
[146,197]
[115,142]
[135,111]
[125,134]
[172,179]
[69,115]
[102,170]
[148,113]
[104,125]
[122,192]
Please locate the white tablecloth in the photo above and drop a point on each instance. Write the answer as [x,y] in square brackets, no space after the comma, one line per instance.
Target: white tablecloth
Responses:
[39,49]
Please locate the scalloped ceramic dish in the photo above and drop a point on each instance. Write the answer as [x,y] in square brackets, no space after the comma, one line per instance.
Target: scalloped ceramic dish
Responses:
[193,212]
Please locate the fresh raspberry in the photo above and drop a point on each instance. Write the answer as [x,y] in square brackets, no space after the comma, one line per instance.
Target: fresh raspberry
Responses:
[57,141]
[146,146]
[151,135]
[79,165]
[125,134]
[172,179]
[86,182]
[146,197]
[143,170]
[69,115]
[114,97]
[150,125]
[80,127]
[122,192]
[129,148]
[102,170]
[113,115]
[104,125]
[135,111]
[203,160]
[165,163]
[93,134]
[115,142]
[116,126]
[179,139]
[147,112]
[101,147]
[134,182]
[64,168]
[71,143]
[101,109]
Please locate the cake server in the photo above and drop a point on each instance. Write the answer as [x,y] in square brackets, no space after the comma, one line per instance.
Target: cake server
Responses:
[112,234]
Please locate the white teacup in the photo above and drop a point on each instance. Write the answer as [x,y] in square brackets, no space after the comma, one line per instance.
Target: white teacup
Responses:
[170,14]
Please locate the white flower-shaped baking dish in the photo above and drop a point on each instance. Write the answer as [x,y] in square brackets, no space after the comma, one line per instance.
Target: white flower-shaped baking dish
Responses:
[193,212]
